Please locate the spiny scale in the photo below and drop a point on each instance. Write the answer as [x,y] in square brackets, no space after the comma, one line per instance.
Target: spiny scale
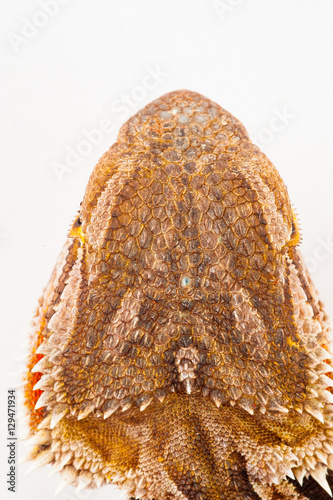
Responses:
[180,349]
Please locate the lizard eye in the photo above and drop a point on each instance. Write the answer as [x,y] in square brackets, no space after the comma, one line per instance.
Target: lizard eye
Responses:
[76,229]
[77,222]
[295,237]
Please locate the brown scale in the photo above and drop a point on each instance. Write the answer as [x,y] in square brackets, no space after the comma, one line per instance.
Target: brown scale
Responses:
[182,336]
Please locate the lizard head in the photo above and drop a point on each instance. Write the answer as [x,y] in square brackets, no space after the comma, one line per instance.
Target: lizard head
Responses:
[181,288]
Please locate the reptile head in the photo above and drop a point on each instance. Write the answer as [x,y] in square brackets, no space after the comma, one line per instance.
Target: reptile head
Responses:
[180,348]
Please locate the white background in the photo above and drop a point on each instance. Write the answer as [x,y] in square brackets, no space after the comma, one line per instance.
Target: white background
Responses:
[63,74]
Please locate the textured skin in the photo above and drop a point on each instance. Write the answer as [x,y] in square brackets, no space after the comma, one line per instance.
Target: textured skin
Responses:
[181,348]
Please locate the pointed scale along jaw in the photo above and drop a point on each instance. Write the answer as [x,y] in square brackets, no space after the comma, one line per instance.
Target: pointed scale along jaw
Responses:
[180,347]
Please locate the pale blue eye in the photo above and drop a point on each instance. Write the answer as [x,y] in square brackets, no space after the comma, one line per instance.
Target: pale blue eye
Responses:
[185,281]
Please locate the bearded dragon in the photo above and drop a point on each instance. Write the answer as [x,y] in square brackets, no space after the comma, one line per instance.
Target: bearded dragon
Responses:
[180,350]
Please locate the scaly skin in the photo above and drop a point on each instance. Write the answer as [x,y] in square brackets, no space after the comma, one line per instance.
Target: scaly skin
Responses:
[181,348]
